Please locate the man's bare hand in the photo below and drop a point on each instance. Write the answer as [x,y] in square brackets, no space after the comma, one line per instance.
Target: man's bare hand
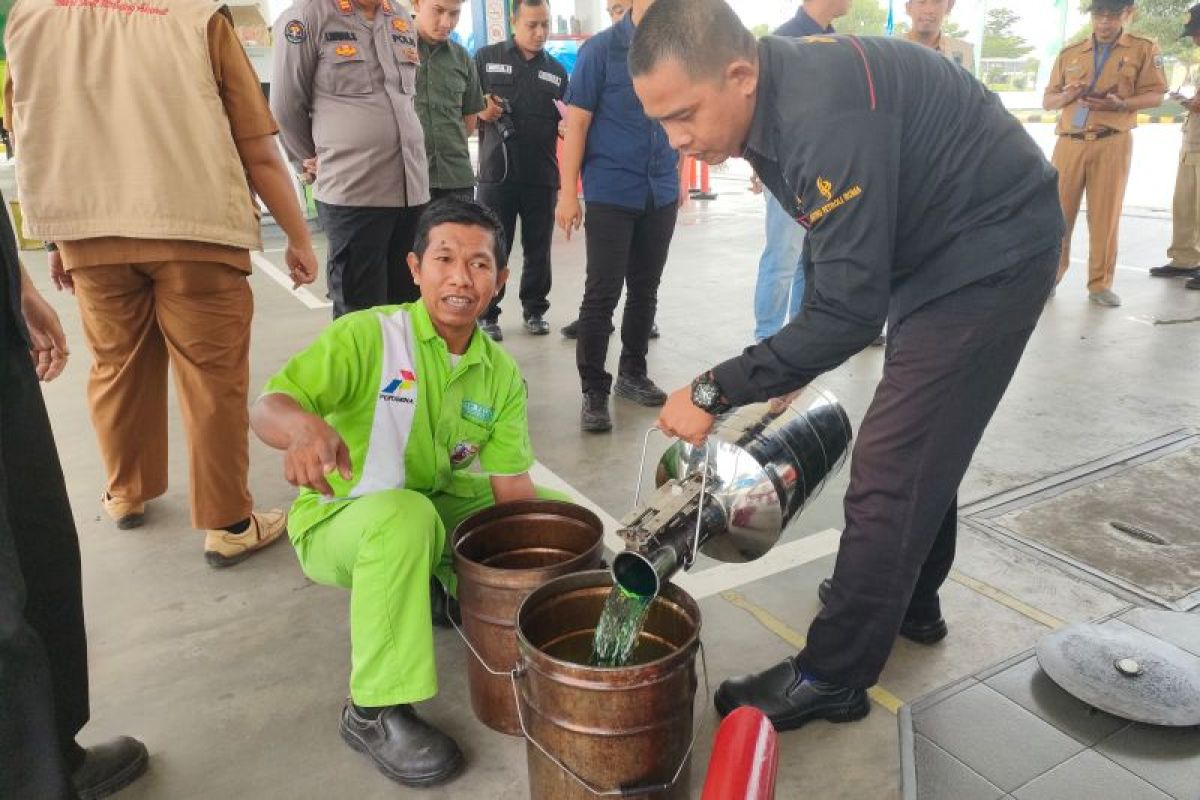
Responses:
[680,417]
[316,451]
[301,263]
[309,166]
[49,350]
[58,274]
[568,213]
[756,184]
[493,110]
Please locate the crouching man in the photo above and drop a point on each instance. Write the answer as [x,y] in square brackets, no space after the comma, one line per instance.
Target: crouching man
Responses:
[380,419]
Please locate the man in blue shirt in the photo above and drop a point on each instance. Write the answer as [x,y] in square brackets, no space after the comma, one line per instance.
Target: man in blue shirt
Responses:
[631,187]
[779,290]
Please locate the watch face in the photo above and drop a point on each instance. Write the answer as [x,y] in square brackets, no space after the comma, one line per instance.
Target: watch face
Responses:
[705,394]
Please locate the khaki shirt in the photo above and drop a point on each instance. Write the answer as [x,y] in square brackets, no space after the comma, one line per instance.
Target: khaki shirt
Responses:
[1134,67]
[959,51]
[342,89]
[447,90]
[1191,133]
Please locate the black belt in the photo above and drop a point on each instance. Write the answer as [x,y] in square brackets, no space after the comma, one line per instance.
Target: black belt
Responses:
[1091,136]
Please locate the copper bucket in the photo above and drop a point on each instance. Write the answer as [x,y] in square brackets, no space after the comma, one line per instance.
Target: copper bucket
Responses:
[501,554]
[606,731]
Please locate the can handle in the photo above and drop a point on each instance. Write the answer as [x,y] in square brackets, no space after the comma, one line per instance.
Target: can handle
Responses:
[689,557]
[638,791]
[463,635]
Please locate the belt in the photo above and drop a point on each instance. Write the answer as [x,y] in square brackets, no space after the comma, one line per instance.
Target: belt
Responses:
[1091,136]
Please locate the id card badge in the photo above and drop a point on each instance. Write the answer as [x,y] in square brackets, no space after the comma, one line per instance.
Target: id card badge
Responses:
[1080,118]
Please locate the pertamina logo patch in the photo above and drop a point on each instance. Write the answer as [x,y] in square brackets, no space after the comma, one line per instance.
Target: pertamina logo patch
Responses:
[401,388]
[462,453]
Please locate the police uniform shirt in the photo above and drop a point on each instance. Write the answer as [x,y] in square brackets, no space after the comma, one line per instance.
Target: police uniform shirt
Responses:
[959,51]
[1134,67]
[342,89]
[912,180]
[531,86]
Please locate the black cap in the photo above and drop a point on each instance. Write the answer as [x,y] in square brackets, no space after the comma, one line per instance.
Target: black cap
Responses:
[1110,5]
[1192,26]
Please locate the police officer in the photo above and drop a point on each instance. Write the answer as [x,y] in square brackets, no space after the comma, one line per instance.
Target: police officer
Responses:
[927,17]
[1100,84]
[926,204]
[345,75]
[518,152]
[1184,251]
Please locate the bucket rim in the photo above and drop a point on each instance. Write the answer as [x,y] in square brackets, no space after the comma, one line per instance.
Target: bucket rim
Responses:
[513,508]
[586,675]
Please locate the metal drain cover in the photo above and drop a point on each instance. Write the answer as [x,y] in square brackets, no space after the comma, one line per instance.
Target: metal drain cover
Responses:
[1127,672]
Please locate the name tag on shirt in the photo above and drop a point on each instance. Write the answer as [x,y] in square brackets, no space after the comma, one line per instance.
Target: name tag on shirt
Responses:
[550,77]
[503,69]
[340,36]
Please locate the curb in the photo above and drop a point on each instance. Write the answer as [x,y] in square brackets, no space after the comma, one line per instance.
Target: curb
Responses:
[1143,119]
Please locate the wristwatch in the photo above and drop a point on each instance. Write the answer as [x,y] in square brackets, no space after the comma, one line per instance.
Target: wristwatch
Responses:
[50,247]
[707,395]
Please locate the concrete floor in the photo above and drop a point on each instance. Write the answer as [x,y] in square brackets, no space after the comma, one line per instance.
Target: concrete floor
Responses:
[234,678]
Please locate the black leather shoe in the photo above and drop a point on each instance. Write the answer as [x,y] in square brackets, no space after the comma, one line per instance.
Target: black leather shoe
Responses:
[536,326]
[443,608]
[492,328]
[110,767]
[594,417]
[405,747]
[571,330]
[915,629]
[1172,271]
[640,389]
[1192,283]
[790,698]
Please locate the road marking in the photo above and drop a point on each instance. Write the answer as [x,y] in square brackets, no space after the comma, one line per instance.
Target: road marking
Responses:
[1006,600]
[781,629]
[1143,270]
[283,279]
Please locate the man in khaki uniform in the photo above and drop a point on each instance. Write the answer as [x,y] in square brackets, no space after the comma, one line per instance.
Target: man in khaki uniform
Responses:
[927,18]
[149,205]
[1099,85]
[1184,251]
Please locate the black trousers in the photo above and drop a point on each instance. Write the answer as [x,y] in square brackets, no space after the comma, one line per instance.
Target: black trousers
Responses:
[945,369]
[535,206]
[629,247]
[368,255]
[43,648]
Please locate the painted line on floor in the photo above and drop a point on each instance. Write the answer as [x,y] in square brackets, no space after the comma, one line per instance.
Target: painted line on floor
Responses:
[1006,600]
[279,276]
[716,579]
[781,629]
[1143,270]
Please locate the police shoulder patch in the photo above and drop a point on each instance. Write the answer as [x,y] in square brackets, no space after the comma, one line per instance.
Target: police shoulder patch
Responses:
[295,32]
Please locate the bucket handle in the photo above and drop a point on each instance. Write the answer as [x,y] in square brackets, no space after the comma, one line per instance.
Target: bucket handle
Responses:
[637,791]
[690,557]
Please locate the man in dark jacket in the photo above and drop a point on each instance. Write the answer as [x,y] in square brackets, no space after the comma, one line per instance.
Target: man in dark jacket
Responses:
[928,207]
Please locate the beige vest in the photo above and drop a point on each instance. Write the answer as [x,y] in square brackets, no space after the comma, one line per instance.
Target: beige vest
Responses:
[119,125]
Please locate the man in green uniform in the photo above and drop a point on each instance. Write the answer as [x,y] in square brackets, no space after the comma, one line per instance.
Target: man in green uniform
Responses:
[380,418]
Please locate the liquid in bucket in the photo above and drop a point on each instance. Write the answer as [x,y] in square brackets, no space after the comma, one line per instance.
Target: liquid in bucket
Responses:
[619,628]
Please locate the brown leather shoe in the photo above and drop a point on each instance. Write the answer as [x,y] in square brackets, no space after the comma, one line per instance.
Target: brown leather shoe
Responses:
[224,549]
[125,513]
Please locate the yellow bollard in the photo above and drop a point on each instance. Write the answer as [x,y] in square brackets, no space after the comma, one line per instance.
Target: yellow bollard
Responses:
[23,243]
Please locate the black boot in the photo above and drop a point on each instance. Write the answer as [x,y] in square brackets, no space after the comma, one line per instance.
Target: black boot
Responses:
[443,608]
[405,747]
[594,416]
[110,767]
[916,629]
[790,698]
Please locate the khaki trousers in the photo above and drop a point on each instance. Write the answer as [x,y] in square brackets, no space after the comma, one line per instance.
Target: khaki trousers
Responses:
[1185,227]
[1101,168]
[197,315]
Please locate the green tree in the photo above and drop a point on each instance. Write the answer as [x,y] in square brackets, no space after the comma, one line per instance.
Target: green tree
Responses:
[760,30]
[999,40]
[1162,21]
[866,18]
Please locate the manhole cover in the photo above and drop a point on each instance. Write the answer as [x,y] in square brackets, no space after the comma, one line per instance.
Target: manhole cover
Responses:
[1132,519]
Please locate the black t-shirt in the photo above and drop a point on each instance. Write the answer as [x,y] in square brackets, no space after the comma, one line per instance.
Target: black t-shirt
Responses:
[912,179]
[12,323]
[531,87]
